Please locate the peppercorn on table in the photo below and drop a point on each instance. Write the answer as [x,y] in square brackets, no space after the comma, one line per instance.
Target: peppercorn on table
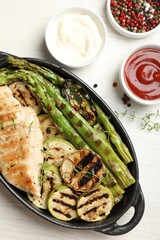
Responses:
[23,25]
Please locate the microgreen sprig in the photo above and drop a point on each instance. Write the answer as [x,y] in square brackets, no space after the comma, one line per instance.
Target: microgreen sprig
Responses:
[1,125]
[149,122]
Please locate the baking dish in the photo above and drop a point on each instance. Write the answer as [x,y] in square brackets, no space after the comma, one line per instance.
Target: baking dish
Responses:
[133,195]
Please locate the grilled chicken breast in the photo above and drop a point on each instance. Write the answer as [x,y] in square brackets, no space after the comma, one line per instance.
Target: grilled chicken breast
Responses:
[20,143]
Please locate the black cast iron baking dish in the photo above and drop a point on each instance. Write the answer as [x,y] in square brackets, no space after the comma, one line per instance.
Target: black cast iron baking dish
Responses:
[133,195]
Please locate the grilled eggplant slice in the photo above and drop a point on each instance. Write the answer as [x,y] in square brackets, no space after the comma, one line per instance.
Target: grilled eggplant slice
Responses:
[62,203]
[49,127]
[82,170]
[56,149]
[79,99]
[25,96]
[95,205]
[50,179]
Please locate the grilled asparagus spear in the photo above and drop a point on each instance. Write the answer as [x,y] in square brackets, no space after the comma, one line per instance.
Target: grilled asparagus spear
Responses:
[80,100]
[110,182]
[95,141]
[114,136]
[37,85]
[49,95]
[45,72]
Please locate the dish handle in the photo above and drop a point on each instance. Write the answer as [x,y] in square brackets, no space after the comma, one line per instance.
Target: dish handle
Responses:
[139,205]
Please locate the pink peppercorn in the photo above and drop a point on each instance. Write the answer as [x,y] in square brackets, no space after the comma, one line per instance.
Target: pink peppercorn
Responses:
[115,84]
[134,16]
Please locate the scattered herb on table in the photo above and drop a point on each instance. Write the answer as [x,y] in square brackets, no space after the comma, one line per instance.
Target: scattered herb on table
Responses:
[149,121]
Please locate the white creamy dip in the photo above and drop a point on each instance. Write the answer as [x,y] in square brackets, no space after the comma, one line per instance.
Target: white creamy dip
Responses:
[76,38]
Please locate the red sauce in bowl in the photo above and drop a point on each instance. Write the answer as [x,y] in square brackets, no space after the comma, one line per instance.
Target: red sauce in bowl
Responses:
[142,73]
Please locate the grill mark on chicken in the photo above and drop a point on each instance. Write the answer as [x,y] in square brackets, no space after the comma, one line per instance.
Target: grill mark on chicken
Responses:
[8,131]
[15,170]
[8,117]
[15,155]
[12,142]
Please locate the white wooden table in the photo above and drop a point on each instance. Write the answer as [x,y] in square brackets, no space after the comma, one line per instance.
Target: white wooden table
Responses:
[22,28]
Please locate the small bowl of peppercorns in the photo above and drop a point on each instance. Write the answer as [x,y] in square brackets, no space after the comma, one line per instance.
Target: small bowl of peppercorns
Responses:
[134,18]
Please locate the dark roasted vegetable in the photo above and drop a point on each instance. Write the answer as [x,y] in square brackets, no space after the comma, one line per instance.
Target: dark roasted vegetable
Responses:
[79,100]
[82,170]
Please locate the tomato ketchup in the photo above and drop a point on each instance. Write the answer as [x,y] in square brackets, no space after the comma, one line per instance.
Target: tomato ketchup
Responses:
[142,73]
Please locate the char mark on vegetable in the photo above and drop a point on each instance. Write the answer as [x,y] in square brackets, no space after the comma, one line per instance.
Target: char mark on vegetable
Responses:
[93,199]
[59,211]
[63,203]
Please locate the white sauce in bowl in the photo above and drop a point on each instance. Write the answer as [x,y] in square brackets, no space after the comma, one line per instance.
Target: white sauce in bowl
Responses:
[76,38]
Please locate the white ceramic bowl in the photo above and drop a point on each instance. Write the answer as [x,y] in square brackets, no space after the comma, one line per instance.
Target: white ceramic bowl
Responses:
[123,31]
[50,33]
[125,86]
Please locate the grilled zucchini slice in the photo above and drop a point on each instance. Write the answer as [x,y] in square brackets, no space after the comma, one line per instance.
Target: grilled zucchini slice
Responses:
[50,179]
[62,203]
[56,149]
[25,96]
[82,170]
[95,205]
[49,127]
